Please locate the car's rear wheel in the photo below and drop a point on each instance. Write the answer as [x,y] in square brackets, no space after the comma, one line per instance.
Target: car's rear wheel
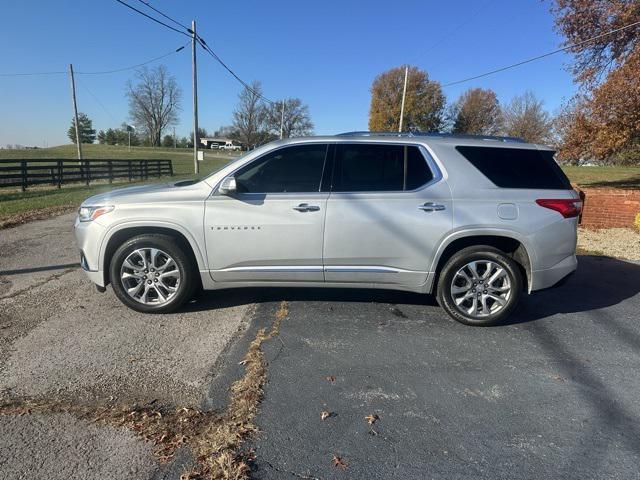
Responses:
[152,274]
[479,286]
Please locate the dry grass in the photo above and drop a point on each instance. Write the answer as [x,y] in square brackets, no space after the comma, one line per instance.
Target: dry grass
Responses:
[215,439]
[614,242]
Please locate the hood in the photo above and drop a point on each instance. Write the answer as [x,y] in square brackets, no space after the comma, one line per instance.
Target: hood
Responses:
[128,194]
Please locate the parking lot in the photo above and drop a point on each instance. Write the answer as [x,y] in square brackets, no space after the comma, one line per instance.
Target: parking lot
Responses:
[552,394]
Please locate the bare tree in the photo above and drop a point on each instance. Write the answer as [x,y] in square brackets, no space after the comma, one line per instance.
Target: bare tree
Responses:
[525,117]
[297,120]
[477,112]
[154,102]
[250,115]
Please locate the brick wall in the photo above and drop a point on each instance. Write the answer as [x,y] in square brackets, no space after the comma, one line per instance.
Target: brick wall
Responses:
[609,207]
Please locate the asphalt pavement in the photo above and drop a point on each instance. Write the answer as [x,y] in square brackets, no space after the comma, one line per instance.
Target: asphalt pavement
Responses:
[552,394]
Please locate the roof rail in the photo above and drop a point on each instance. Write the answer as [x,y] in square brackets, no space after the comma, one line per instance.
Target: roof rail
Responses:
[431,134]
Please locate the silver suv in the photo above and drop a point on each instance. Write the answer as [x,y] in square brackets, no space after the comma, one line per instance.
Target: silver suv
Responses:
[473,220]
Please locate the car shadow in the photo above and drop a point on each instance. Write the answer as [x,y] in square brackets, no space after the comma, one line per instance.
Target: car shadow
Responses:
[598,283]
[21,271]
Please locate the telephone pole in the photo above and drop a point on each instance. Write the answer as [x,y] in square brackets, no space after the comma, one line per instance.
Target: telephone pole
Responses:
[196,167]
[404,94]
[282,122]
[75,112]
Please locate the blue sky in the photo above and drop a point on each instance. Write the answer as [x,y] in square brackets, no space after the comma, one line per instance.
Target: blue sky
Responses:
[326,53]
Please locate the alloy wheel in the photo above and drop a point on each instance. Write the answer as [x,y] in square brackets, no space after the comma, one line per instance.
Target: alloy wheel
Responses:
[481,288]
[150,276]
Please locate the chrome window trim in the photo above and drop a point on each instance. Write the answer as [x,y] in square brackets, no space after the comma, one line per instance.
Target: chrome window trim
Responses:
[427,153]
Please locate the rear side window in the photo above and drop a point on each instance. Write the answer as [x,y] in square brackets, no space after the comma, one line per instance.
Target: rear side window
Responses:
[517,167]
[379,168]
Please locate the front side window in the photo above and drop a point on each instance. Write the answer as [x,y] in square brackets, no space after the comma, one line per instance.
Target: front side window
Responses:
[296,169]
[379,168]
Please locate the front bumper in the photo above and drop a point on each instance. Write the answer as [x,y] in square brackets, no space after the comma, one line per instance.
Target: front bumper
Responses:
[89,236]
[549,277]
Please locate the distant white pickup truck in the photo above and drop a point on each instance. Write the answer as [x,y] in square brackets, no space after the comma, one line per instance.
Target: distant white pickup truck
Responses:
[229,146]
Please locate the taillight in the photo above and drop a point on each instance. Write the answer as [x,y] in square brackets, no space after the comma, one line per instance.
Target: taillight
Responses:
[567,207]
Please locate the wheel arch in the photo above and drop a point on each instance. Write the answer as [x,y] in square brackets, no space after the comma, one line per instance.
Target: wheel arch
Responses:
[121,234]
[510,244]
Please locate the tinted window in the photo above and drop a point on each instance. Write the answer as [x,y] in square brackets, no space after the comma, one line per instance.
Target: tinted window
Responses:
[517,167]
[379,168]
[289,169]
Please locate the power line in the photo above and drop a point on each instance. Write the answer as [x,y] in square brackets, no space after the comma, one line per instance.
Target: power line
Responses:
[544,55]
[165,15]
[97,101]
[444,36]
[31,74]
[152,18]
[202,43]
[228,69]
[104,72]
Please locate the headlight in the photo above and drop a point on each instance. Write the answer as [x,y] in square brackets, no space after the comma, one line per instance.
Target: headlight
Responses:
[86,214]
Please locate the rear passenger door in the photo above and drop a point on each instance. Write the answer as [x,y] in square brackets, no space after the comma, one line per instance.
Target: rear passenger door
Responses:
[388,210]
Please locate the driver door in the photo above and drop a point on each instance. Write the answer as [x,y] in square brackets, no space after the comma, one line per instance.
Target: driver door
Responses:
[272,227]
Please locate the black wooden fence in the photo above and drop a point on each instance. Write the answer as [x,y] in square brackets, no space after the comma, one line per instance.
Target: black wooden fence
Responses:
[23,173]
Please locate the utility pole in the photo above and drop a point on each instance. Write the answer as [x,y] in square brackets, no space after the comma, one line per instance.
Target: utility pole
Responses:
[196,167]
[175,143]
[75,113]
[282,122]
[404,95]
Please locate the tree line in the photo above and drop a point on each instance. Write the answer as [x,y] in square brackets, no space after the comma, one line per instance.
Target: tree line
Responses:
[476,112]
[155,100]
[601,123]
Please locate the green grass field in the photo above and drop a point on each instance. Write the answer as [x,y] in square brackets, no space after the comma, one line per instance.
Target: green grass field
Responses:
[14,202]
[607,177]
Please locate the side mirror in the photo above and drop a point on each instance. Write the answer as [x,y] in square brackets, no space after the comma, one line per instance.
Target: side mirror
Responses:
[228,186]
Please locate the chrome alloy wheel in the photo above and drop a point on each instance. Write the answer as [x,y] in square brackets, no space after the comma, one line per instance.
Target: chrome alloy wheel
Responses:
[481,288]
[150,276]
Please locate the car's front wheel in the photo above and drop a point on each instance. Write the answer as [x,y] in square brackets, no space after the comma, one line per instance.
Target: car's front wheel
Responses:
[152,274]
[479,286]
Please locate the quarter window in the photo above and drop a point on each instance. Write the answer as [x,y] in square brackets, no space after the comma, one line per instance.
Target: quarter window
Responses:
[379,168]
[517,167]
[290,169]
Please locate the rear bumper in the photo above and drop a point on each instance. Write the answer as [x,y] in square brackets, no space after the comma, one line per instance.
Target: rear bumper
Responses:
[549,277]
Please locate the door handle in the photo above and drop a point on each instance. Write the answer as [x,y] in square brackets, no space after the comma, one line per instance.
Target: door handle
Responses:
[431,207]
[305,207]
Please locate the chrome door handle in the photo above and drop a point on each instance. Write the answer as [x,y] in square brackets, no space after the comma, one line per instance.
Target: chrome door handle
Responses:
[305,207]
[431,207]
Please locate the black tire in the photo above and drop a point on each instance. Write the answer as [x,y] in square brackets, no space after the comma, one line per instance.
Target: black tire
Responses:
[458,261]
[188,272]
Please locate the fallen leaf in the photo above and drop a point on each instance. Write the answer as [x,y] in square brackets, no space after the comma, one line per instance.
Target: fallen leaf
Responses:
[371,419]
[324,415]
[558,377]
[338,462]
[331,379]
